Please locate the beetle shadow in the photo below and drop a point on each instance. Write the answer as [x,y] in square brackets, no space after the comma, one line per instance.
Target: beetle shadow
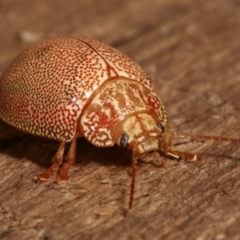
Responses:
[87,153]
[41,150]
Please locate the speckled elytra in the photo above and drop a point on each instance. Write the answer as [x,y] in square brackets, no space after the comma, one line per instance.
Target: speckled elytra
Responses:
[68,87]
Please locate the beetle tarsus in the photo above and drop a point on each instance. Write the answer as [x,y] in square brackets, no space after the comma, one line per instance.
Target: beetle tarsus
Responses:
[191,157]
[63,175]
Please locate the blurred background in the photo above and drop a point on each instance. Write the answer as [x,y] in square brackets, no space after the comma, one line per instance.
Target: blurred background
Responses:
[191,49]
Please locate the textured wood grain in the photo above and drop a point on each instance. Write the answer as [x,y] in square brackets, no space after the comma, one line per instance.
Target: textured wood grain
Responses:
[191,49]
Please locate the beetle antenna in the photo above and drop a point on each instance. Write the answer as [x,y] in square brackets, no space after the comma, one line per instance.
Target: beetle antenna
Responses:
[205,137]
[133,173]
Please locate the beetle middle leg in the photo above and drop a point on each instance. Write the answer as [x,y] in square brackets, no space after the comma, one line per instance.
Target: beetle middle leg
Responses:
[70,157]
[57,160]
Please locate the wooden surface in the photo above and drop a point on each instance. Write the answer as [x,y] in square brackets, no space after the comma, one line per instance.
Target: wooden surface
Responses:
[192,51]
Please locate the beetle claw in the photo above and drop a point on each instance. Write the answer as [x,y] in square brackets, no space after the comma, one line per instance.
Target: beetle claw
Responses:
[46,175]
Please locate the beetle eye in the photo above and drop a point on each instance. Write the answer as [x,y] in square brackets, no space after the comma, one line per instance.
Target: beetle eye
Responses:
[160,126]
[124,140]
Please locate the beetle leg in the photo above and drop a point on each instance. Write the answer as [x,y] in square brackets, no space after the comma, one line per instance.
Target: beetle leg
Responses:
[57,160]
[167,146]
[191,157]
[153,158]
[70,157]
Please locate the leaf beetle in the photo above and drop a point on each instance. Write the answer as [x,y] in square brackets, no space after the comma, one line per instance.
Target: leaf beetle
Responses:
[68,87]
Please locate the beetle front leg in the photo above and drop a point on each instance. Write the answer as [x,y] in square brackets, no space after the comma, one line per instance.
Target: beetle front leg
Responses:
[70,157]
[167,146]
[57,160]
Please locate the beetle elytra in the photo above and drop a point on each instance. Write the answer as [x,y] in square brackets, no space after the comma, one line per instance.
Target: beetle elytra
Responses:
[68,87]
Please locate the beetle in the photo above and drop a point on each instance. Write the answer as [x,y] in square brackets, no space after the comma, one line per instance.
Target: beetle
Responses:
[68,87]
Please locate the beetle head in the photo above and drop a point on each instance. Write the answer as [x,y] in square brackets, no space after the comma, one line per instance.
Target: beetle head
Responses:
[139,132]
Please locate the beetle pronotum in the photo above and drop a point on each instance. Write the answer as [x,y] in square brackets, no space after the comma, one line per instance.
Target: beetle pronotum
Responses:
[68,87]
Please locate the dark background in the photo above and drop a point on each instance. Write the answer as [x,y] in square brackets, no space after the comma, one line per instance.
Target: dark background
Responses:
[192,51]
